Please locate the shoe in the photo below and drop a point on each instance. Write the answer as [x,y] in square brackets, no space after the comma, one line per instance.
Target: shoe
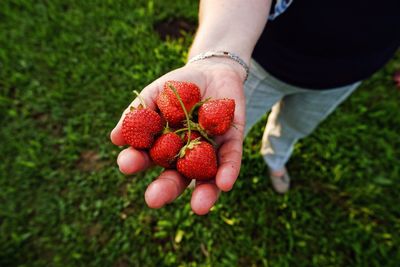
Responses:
[280,183]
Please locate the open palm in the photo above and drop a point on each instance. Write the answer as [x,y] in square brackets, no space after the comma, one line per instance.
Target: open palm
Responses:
[217,80]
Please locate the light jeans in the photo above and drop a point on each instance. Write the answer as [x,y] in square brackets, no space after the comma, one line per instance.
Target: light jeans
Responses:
[296,112]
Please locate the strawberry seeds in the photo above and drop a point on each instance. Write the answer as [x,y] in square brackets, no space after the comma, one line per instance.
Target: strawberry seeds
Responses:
[185,143]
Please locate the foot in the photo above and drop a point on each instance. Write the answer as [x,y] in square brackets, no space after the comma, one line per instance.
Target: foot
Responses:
[280,180]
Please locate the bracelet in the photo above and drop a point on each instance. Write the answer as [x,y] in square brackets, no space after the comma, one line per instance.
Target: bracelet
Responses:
[222,54]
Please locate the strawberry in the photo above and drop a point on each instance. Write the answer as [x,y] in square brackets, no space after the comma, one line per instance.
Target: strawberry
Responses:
[193,135]
[216,116]
[199,161]
[165,150]
[140,126]
[169,104]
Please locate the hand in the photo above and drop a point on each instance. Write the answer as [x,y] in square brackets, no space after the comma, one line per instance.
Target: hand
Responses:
[216,78]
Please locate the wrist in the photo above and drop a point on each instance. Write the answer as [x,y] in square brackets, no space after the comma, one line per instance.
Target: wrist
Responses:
[242,53]
[232,60]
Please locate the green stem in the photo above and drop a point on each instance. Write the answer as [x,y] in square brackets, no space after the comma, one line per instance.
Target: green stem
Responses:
[181,130]
[166,129]
[198,105]
[184,110]
[202,132]
[140,99]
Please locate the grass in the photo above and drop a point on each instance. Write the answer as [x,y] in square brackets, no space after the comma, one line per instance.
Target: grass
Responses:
[67,70]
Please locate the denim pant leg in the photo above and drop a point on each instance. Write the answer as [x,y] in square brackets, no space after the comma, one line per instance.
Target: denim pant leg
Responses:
[261,92]
[296,116]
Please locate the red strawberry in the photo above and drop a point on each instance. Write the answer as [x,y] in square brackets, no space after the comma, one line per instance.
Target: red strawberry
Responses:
[140,126]
[169,104]
[216,116]
[199,161]
[165,150]
[193,135]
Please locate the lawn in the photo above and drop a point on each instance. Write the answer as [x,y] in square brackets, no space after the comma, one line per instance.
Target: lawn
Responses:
[67,70]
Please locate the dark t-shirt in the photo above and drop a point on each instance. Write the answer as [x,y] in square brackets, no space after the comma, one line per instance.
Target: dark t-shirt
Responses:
[322,44]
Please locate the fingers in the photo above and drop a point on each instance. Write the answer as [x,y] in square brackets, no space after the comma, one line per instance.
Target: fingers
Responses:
[131,160]
[206,194]
[204,197]
[229,158]
[116,135]
[168,186]
[171,184]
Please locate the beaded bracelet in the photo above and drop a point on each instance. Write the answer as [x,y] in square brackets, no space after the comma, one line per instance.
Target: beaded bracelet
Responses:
[222,54]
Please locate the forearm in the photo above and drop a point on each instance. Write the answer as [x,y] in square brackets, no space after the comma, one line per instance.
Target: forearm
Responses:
[230,25]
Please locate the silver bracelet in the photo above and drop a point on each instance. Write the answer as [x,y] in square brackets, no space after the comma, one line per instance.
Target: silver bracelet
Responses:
[226,54]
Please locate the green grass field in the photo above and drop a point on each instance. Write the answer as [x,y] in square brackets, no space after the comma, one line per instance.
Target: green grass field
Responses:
[67,70]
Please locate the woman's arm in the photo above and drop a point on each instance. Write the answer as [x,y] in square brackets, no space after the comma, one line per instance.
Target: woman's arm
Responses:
[230,25]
